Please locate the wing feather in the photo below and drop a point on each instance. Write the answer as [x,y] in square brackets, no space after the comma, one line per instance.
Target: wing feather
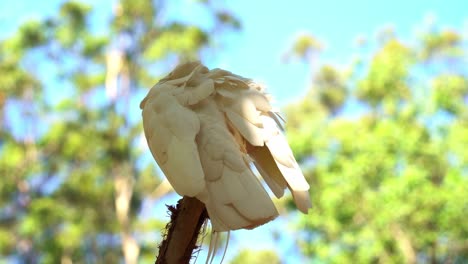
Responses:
[157,141]
[250,113]
[239,196]
[257,204]
[249,131]
[247,109]
[267,167]
[234,195]
[278,119]
[286,163]
[227,93]
[170,130]
[194,95]
[258,99]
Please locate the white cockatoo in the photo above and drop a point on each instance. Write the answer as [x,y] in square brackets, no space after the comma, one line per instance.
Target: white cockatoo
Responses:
[205,128]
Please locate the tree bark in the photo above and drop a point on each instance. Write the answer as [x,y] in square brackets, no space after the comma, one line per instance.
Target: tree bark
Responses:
[404,243]
[123,185]
[180,240]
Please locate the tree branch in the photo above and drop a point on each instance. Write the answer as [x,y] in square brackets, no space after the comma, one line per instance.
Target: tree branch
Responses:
[180,240]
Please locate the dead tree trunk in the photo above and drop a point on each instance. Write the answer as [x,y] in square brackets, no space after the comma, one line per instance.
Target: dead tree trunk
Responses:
[180,240]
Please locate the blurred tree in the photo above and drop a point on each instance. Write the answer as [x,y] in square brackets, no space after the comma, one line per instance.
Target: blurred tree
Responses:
[256,257]
[304,47]
[74,176]
[389,183]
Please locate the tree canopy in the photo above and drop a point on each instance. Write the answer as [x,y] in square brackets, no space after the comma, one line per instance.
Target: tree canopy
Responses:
[383,141]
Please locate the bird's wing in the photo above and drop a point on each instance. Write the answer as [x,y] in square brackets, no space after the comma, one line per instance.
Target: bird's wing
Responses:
[170,130]
[234,197]
[280,152]
[249,111]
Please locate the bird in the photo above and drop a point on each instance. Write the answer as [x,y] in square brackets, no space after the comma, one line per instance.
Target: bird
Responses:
[207,129]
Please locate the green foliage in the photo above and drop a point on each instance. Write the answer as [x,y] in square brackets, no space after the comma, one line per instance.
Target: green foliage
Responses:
[387,74]
[180,40]
[441,43]
[449,91]
[330,87]
[13,79]
[31,34]
[304,47]
[303,120]
[388,185]
[71,25]
[74,175]
[256,257]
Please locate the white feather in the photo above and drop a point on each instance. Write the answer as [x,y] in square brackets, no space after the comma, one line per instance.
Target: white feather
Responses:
[202,126]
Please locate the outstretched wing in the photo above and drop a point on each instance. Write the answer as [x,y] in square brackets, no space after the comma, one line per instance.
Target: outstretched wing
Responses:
[250,113]
[170,130]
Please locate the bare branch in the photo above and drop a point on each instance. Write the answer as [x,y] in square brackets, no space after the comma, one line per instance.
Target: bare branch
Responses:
[180,240]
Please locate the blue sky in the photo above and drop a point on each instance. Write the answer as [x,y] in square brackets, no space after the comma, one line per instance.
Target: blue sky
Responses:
[269,28]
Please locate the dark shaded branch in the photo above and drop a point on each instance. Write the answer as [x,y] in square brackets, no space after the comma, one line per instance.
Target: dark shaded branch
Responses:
[180,240]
